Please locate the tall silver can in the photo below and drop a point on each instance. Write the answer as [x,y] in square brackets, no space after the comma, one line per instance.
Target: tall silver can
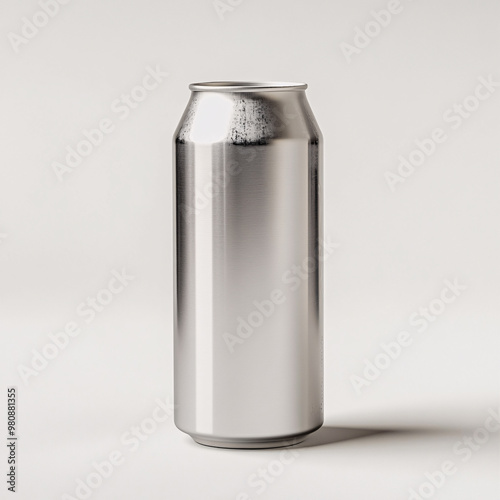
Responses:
[248,333]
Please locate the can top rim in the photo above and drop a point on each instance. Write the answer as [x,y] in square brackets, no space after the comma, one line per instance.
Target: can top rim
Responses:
[246,86]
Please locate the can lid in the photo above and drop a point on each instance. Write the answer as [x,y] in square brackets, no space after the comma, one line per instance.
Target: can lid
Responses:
[246,86]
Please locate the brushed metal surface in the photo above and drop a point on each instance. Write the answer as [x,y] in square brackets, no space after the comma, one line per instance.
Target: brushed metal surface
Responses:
[248,339]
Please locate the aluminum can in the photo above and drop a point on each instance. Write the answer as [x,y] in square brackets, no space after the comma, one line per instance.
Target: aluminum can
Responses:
[248,333]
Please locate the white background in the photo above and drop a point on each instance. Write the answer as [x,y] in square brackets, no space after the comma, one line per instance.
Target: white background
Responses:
[60,241]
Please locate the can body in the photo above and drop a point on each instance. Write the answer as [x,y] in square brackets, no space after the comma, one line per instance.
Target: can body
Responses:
[248,336]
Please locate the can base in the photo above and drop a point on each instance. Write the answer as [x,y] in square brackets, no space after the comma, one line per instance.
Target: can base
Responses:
[251,444]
